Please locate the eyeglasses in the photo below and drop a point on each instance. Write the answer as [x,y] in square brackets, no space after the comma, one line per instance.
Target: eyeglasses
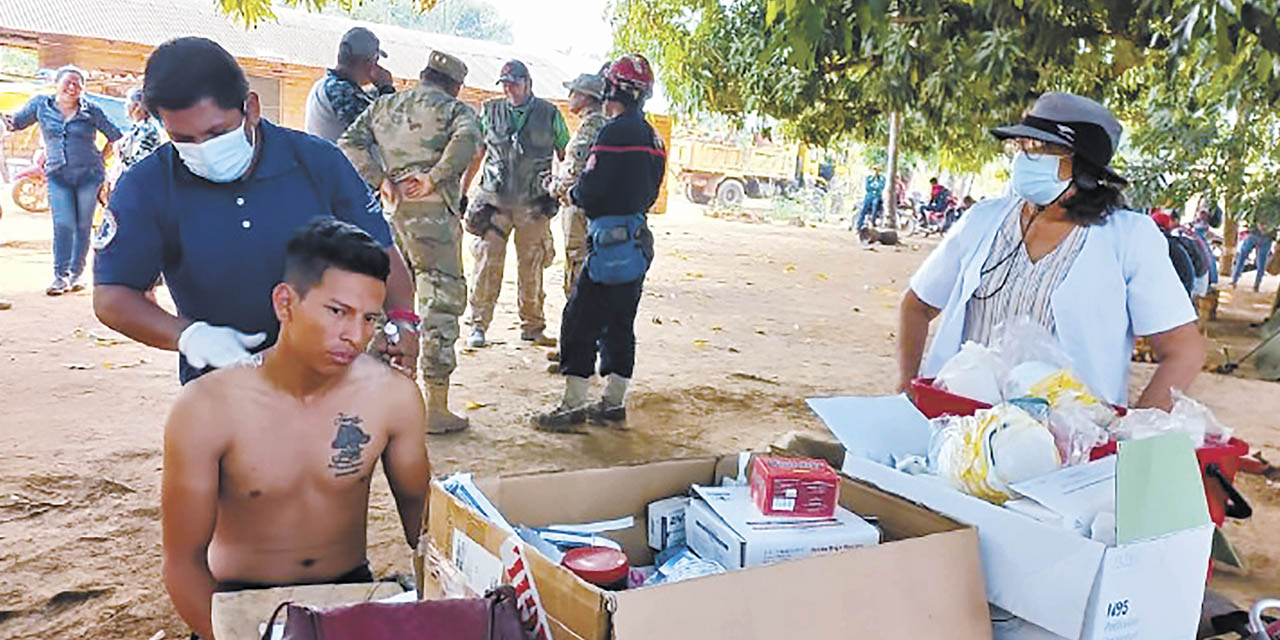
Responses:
[1034,148]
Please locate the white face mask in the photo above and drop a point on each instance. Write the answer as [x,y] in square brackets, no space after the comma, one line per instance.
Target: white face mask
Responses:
[222,158]
[1036,179]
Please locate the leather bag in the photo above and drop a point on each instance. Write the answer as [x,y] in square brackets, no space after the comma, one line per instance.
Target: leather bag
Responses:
[493,617]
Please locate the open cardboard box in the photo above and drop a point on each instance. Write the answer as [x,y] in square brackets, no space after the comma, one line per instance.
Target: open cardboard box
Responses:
[1067,585]
[923,580]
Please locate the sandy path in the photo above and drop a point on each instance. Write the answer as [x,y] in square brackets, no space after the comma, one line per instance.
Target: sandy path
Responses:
[739,323]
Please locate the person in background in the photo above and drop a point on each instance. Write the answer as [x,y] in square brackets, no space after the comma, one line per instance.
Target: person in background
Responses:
[586,95]
[1203,228]
[616,190]
[213,211]
[1257,241]
[522,135]
[337,98]
[416,145]
[143,136]
[872,201]
[74,168]
[1179,253]
[1063,250]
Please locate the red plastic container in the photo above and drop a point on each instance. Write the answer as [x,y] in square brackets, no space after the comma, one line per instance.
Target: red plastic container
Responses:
[1218,467]
[934,402]
[1218,464]
[800,487]
[604,567]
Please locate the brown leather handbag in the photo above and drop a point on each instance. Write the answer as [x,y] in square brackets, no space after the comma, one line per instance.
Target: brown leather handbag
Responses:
[493,617]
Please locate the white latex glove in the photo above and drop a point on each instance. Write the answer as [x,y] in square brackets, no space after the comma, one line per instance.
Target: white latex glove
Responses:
[205,345]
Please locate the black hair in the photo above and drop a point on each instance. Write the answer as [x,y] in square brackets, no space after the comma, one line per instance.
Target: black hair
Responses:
[184,71]
[933,180]
[1096,196]
[440,79]
[329,242]
[628,100]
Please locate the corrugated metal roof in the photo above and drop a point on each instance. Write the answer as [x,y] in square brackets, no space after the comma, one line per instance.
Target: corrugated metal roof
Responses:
[296,37]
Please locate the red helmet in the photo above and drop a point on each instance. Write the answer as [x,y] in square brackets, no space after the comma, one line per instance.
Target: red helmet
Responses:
[631,73]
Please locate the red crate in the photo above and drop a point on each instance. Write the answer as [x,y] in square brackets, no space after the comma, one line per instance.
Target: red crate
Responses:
[1218,467]
[934,402]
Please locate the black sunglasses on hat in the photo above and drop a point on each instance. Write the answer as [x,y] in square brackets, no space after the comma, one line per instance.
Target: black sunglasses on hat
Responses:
[1076,122]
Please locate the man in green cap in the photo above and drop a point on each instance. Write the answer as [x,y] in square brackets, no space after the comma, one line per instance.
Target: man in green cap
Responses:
[522,133]
[586,98]
[416,145]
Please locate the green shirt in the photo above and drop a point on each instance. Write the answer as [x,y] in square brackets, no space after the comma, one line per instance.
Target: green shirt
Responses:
[522,112]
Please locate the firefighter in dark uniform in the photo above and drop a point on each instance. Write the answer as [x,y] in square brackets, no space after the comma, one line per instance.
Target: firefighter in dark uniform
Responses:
[620,182]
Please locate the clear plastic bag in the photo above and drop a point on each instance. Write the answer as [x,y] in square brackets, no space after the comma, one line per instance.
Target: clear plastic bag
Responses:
[1188,417]
[975,372]
[1021,339]
[983,454]
[1076,432]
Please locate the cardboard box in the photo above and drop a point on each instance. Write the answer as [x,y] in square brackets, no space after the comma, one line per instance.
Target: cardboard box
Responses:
[666,522]
[923,578]
[1068,585]
[724,525]
[802,487]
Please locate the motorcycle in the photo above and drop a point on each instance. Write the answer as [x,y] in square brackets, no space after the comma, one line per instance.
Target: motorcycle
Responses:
[927,222]
[31,189]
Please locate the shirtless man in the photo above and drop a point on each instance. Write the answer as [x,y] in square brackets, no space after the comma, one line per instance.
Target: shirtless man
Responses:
[267,467]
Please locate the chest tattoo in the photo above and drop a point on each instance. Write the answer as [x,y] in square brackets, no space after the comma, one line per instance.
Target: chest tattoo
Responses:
[349,444]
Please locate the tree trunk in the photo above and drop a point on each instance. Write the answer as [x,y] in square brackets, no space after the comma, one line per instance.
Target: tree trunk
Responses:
[891,198]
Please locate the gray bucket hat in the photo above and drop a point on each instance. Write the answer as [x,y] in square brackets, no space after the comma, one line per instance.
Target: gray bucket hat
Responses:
[1085,126]
[588,83]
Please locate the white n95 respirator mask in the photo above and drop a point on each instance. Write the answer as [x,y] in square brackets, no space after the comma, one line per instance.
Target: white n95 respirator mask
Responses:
[1036,179]
[222,158]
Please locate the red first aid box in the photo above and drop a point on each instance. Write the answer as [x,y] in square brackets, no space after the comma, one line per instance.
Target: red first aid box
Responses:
[801,487]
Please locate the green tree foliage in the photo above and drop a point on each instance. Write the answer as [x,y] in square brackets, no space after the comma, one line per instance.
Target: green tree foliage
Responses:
[251,12]
[835,68]
[464,18]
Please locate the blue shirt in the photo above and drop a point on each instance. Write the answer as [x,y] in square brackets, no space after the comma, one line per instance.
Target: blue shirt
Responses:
[70,149]
[221,246]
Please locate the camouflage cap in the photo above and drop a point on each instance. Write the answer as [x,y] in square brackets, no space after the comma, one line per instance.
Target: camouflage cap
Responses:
[588,83]
[448,65]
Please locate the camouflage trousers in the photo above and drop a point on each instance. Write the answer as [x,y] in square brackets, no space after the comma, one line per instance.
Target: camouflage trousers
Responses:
[431,238]
[575,244]
[535,251]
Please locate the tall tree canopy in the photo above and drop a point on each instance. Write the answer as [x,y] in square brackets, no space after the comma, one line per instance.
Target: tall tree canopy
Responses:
[834,68]
[473,19]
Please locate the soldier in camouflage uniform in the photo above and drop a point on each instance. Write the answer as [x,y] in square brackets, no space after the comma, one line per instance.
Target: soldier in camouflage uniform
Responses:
[586,95]
[417,144]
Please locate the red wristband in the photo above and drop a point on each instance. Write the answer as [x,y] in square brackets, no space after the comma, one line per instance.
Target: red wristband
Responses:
[403,314]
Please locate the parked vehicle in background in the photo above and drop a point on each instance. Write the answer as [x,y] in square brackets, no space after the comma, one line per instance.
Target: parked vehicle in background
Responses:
[729,173]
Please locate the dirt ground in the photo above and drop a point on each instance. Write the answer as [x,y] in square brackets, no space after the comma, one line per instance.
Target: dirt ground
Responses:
[740,322]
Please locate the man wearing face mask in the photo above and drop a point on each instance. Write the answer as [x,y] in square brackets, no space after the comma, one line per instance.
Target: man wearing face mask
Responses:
[522,133]
[214,210]
[1062,250]
[337,99]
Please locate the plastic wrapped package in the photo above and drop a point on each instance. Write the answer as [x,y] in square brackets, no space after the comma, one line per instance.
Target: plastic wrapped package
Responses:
[1189,411]
[984,454]
[975,372]
[1188,416]
[1021,339]
[1076,431]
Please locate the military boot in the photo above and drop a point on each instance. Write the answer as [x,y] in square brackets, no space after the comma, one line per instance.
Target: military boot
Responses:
[439,419]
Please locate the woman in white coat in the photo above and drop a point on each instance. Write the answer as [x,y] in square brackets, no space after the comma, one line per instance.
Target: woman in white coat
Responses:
[1063,250]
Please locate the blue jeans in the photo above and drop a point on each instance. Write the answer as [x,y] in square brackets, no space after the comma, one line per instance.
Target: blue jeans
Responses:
[870,208]
[72,203]
[1252,242]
